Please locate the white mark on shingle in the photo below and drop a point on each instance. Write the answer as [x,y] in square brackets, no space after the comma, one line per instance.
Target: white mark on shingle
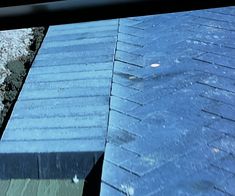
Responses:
[127,189]
[154,65]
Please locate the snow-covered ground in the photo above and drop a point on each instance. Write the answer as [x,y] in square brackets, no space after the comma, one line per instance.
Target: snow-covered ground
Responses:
[13,45]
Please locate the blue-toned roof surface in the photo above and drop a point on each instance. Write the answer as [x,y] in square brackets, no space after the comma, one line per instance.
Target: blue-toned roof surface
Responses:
[155,93]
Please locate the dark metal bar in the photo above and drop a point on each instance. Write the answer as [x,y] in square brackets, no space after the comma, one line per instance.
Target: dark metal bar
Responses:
[68,11]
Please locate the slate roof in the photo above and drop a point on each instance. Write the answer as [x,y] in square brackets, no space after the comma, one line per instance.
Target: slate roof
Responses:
[61,115]
[166,129]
